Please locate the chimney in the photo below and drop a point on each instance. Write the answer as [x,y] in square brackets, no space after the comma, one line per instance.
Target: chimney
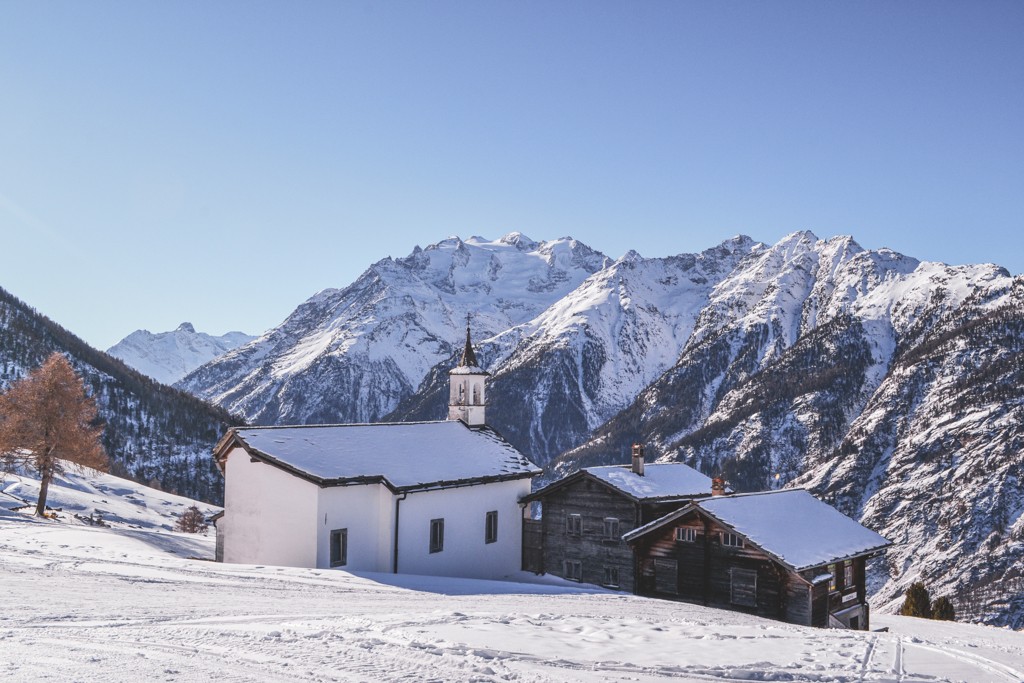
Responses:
[638,459]
[717,486]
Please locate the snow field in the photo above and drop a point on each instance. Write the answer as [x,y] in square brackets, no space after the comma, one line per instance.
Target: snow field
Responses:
[126,603]
[86,603]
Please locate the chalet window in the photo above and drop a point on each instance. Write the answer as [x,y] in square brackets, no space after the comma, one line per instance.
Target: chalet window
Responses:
[491,527]
[574,525]
[686,534]
[611,576]
[743,587]
[573,570]
[339,547]
[833,583]
[848,574]
[611,528]
[732,540]
[436,535]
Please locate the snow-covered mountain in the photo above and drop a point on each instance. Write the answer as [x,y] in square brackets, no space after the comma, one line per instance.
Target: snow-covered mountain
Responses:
[893,388]
[169,356]
[564,373]
[152,432]
[351,355]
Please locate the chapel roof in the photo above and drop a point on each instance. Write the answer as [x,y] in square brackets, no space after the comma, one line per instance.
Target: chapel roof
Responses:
[401,455]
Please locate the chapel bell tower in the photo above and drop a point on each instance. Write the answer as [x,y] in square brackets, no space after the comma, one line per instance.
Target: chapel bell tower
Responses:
[466,400]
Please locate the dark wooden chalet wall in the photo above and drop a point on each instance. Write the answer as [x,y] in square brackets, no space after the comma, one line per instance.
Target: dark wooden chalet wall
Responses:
[675,569]
[711,583]
[594,502]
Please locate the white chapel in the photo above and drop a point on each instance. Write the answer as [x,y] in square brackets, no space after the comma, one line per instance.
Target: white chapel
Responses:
[436,498]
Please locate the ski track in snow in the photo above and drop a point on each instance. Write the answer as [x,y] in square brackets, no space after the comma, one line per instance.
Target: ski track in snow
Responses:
[89,604]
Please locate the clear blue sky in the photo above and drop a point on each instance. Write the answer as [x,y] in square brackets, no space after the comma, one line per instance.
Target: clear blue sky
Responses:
[220,162]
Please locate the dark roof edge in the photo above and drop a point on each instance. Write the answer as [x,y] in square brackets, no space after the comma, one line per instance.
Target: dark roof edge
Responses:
[346,424]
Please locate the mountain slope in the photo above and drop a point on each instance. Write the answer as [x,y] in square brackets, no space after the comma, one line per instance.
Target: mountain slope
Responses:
[352,355]
[169,356]
[587,356]
[152,433]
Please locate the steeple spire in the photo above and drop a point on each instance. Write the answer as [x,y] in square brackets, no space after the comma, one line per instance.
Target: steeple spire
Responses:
[468,355]
[466,401]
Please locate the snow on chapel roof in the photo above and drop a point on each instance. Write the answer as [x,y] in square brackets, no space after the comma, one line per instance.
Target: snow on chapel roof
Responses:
[404,455]
[790,524]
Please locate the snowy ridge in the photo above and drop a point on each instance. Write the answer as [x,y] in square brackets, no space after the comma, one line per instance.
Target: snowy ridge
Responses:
[169,356]
[588,355]
[351,355]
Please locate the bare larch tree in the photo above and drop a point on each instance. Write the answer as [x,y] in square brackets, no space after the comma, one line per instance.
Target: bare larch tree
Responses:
[46,420]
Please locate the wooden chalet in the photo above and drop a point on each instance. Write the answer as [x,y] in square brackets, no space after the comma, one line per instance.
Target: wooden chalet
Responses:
[781,554]
[584,516]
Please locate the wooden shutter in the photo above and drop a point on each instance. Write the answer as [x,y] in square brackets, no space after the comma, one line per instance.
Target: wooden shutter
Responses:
[744,587]
[666,576]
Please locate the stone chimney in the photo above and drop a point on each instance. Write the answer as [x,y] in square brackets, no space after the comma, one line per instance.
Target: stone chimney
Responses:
[717,486]
[638,459]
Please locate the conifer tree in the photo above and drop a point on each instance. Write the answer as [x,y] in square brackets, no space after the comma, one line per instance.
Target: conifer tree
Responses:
[46,419]
[917,603]
[942,609]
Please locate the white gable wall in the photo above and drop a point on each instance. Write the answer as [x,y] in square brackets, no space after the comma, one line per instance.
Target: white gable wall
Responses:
[464,512]
[271,514]
[367,512]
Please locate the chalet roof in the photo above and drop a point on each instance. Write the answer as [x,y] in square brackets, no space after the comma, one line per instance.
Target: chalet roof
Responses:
[403,456]
[660,481]
[791,525]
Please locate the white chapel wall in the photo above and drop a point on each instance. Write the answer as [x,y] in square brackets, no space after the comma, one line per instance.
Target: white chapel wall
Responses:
[366,511]
[270,514]
[464,511]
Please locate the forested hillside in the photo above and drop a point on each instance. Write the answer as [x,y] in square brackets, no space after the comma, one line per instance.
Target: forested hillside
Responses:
[153,433]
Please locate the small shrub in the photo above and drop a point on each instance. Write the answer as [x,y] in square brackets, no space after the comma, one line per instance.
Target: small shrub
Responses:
[191,521]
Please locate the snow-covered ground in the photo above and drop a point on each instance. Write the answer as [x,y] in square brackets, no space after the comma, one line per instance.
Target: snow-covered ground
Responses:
[119,603]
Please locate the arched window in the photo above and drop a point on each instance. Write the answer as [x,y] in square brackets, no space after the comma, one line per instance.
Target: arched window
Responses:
[476,395]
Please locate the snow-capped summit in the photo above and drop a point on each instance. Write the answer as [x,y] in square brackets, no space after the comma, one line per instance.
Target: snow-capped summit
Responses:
[169,356]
